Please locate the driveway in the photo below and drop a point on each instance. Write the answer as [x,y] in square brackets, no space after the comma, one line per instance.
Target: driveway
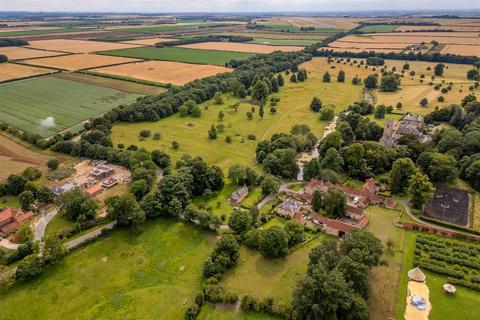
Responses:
[7,244]
[91,235]
[41,225]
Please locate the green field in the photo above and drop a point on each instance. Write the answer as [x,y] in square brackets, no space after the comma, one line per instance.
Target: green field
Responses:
[122,276]
[263,277]
[379,28]
[293,108]
[23,104]
[198,56]
[38,32]
[284,42]
[286,27]
[155,29]
[210,312]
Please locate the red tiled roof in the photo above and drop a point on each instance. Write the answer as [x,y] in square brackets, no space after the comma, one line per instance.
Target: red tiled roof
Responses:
[24,216]
[8,214]
[93,190]
[9,227]
[354,210]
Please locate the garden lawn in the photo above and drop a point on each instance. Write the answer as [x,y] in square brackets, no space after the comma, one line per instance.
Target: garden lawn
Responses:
[254,196]
[24,104]
[122,276]
[218,205]
[198,56]
[211,312]
[59,224]
[192,133]
[262,277]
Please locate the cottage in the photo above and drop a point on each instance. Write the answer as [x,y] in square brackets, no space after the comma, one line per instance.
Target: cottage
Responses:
[290,207]
[11,218]
[238,195]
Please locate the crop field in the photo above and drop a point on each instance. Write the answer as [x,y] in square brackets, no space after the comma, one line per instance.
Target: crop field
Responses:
[160,269]
[339,23]
[149,41]
[379,28]
[28,103]
[11,71]
[77,46]
[175,73]
[456,28]
[20,53]
[275,35]
[284,42]
[355,48]
[465,50]
[22,33]
[214,57]
[126,86]
[293,108]
[262,277]
[240,47]
[75,62]
[15,157]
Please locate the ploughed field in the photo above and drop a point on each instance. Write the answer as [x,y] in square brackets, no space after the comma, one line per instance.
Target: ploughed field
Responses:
[24,104]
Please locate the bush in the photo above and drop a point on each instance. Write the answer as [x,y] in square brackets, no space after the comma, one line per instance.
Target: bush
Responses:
[145,133]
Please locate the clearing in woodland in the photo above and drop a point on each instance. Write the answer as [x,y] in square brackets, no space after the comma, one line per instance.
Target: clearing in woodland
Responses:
[175,73]
[48,105]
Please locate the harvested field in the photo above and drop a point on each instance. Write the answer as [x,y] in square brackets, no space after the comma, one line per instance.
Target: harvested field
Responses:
[416,37]
[10,71]
[175,73]
[176,54]
[464,50]
[78,46]
[75,62]
[284,42]
[149,41]
[38,32]
[20,53]
[121,85]
[28,103]
[354,50]
[240,47]
[14,157]
[456,28]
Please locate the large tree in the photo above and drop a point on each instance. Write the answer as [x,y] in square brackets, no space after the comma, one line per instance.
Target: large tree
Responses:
[402,171]
[334,202]
[126,211]
[274,243]
[77,206]
[420,189]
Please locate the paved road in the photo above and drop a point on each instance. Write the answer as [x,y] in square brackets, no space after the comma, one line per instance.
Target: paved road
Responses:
[41,225]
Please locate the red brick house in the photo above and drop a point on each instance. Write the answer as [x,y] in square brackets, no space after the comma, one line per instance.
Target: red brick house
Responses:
[11,218]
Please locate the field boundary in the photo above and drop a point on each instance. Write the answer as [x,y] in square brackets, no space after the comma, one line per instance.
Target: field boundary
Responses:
[145,82]
[31,77]
[113,64]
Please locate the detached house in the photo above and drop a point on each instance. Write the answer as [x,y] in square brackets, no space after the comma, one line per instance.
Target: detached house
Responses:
[11,218]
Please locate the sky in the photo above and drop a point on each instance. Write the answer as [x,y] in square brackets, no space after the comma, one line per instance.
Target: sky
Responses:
[231,5]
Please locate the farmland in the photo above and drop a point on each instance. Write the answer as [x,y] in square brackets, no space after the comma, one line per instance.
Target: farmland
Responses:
[149,41]
[10,71]
[240,47]
[77,46]
[75,62]
[20,53]
[24,104]
[163,71]
[284,42]
[159,268]
[15,157]
[23,33]
[214,57]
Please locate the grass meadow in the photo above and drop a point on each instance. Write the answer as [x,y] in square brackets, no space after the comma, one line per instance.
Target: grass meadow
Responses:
[122,276]
[215,57]
[23,104]
[293,108]
[37,32]
[379,28]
